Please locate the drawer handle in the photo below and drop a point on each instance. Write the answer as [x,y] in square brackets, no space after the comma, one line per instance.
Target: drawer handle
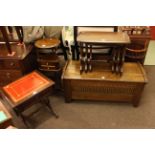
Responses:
[12,64]
[8,75]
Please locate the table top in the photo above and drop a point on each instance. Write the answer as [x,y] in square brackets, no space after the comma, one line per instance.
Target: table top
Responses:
[133,72]
[26,87]
[47,43]
[5,111]
[104,37]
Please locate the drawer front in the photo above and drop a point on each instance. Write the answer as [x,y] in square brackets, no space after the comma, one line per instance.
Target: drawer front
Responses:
[8,76]
[9,64]
[48,65]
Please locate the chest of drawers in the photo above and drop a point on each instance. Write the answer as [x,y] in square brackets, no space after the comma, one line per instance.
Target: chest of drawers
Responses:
[13,67]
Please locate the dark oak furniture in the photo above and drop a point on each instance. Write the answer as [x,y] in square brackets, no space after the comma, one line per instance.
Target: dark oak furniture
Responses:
[46,54]
[8,121]
[31,89]
[21,63]
[98,40]
[136,51]
[48,59]
[7,38]
[102,85]
[16,58]
[140,37]
[78,29]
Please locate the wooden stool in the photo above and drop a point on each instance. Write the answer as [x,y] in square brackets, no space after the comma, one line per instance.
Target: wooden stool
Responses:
[27,91]
[46,54]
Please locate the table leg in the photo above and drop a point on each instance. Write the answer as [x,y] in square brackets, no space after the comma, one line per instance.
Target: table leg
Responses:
[114,59]
[137,95]
[86,59]
[81,58]
[18,113]
[25,120]
[122,58]
[47,103]
[118,60]
[90,58]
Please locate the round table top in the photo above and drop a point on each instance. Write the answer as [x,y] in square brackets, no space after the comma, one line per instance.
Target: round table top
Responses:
[47,43]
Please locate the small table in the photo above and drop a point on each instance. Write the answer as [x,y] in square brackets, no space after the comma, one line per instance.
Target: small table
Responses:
[46,54]
[28,90]
[99,40]
[5,113]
